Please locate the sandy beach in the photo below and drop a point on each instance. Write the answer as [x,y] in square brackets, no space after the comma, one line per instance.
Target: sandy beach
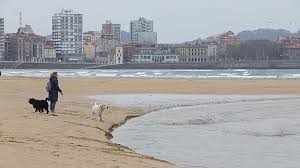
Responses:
[74,139]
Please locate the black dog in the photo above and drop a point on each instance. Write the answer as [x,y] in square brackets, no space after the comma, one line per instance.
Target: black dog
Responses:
[39,105]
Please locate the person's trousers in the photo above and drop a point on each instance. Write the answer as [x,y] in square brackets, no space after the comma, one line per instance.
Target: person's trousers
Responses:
[52,106]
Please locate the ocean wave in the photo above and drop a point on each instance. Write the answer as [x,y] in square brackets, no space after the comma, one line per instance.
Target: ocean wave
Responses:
[177,74]
[239,70]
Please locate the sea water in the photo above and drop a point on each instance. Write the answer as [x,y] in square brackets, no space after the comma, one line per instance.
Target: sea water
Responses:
[214,131]
[185,74]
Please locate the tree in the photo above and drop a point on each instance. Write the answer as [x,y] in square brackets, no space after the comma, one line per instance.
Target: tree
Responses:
[255,50]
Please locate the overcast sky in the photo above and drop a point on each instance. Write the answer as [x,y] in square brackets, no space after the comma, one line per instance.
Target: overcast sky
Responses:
[174,20]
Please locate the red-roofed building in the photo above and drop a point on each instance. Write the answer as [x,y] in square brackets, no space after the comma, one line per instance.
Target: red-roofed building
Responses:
[223,41]
[291,47]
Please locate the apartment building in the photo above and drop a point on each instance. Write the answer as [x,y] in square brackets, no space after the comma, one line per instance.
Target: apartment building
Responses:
[2,48]
[111,31]
[67,35]
[142,31]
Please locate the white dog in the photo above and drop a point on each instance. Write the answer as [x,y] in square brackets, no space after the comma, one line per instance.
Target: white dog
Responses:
[98,109]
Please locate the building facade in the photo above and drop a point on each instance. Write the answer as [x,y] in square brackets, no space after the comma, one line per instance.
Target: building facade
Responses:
[89,51]
[8,47]
[119,56]
[155,58]
[291,47]
[111,31]
[106,49]
[24,46]
[2,44]
[197,53]
[212,51]
[224,41]
[192,51]
[67,36]
[50,52]
[25,30]
[102,57]
[38,52]
[124,53]
[142,32]
[91,37]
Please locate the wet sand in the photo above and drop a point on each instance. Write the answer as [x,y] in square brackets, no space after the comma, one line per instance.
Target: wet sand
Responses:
[73,139]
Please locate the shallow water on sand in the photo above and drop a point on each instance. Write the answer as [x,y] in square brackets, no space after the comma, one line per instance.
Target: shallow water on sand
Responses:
[214,131]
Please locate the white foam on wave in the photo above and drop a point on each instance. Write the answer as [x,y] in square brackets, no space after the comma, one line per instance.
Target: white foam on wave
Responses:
[140,73]
[83,72]
[105,75]
[181,74]
[191,70]
[239,70]
[15,72]
[157,73]
[292,75]
[228,74]
[44,71]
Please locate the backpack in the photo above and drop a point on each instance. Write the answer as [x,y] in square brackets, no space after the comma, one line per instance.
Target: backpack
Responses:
[48,86]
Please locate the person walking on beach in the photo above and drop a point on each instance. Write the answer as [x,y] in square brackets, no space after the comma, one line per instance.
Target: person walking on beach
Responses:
[53,89]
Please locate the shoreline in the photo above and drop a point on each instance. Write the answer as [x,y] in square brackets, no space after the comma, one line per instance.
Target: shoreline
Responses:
[115,126]
[74,139]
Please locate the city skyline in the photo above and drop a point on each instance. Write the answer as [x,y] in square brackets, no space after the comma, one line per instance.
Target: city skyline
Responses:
[175,21]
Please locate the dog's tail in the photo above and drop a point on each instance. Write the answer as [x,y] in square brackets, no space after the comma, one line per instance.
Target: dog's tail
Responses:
[95,103]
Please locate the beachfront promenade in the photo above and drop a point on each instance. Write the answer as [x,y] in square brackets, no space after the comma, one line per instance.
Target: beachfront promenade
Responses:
[278,64]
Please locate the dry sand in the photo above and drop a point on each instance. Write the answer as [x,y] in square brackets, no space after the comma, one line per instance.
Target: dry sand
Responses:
[73,139]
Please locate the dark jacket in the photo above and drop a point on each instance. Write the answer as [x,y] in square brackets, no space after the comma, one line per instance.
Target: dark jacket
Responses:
[53,94]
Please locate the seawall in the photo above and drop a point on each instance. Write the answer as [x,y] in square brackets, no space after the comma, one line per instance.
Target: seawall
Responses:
[17,65]
[206,65]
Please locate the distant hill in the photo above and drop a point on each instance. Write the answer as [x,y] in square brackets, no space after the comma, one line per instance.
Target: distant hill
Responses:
[264,34]
[125,37]
[259,34]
